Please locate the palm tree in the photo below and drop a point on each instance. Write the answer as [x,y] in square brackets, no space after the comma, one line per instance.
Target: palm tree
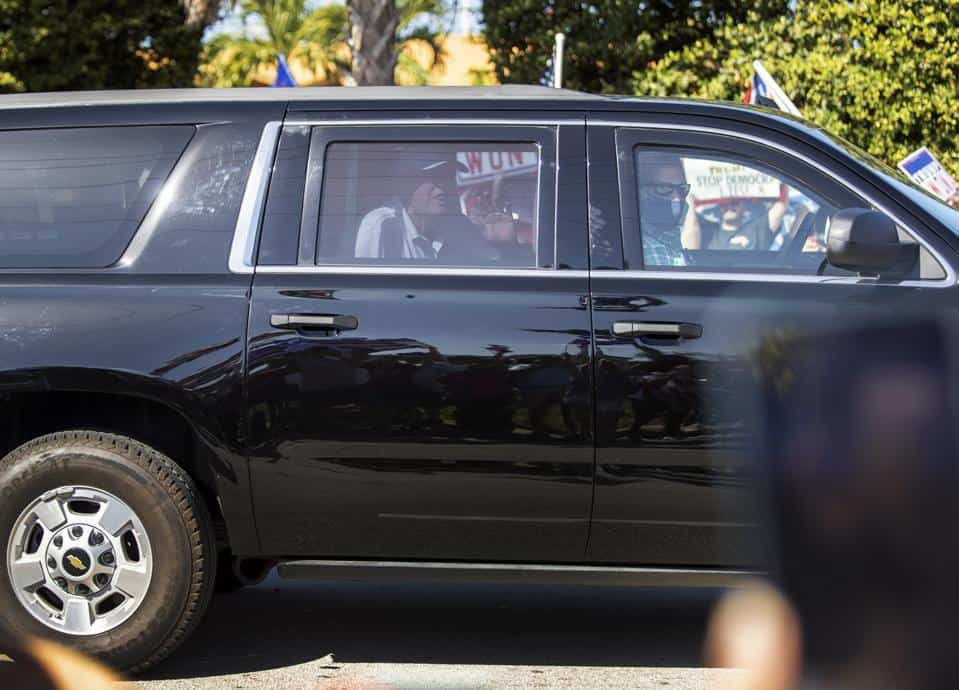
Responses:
[381,29]
[313,37]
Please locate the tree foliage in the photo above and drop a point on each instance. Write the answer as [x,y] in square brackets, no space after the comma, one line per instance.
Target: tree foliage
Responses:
[421,21]
[317,37]
[606,40]
[882,73]
[52,45]
[302,33]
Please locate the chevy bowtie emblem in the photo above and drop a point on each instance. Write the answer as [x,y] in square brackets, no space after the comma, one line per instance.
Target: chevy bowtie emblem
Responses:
[75,562]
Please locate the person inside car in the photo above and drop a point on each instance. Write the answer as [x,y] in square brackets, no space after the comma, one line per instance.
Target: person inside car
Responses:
[743,224]
[488,207]
[662,208]
[425,221]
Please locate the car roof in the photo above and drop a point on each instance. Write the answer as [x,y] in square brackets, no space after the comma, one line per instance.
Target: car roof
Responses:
[321,97]
[318,94]
[389,99]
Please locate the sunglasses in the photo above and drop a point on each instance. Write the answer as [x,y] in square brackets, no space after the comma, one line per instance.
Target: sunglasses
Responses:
[666,189]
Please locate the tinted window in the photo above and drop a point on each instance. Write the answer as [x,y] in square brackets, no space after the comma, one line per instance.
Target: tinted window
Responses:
[716,212]
[432,203]
[720,213]
[74,197]
[280,231]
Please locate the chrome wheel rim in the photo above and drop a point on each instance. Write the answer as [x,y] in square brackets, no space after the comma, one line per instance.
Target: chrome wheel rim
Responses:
[79,560]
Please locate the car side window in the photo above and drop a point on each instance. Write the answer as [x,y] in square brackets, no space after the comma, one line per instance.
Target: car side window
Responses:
[432,203]
[721,213]
[73,198]
[712,211]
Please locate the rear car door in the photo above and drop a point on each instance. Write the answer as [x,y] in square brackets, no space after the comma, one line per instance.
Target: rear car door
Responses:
[419,377]
[707,251]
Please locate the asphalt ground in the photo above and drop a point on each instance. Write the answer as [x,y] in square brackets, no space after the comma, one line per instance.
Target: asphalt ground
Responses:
[349,635]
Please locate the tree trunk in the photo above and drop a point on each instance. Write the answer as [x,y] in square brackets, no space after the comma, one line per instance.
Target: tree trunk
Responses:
[373,25]
[202,13]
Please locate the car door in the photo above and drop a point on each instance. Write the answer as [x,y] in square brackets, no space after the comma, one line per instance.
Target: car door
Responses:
[419,376]
[693,290]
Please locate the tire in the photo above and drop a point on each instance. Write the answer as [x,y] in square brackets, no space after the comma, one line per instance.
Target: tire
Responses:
[168,539]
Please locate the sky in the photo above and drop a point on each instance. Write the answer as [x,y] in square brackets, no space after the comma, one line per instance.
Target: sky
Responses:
[467,20]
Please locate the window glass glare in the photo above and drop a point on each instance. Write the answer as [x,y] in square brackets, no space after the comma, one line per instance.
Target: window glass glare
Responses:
[430,203]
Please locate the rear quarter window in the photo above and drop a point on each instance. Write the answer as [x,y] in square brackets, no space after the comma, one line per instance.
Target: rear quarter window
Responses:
[73,198]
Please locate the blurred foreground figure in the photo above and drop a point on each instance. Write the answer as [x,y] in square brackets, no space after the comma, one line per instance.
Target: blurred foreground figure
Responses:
[860,462]
[41,665]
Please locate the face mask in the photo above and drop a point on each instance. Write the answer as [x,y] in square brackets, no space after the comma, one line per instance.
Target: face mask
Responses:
[658,210]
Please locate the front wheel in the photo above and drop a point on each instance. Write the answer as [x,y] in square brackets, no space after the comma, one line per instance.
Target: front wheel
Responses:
[109,548]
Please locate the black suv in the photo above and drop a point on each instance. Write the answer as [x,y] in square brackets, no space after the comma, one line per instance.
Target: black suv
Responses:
[491,334]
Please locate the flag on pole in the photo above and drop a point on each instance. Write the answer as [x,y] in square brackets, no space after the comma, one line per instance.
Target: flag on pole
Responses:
[283,75]
[553,74]
[763,90]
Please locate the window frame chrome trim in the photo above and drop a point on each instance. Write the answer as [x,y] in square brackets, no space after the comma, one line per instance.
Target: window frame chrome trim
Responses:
[248,221]
[467,271]
[248,224]
[453,271]
[372,122]
[949,280]
[758,278]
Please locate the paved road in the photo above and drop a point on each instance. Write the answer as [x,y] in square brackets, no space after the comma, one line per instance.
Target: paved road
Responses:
[325,636]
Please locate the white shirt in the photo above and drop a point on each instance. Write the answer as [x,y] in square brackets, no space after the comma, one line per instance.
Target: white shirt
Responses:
[369,243]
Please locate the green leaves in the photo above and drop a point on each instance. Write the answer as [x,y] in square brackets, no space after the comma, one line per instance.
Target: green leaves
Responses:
[315,37]
[606,40]
[311,37]
[883,74]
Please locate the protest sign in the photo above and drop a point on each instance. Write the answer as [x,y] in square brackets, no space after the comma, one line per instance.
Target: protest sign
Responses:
[715,181]
[926,171]
[482,166]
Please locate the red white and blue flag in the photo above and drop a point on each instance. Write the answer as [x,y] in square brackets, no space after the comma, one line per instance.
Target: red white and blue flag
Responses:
[757,93]
[763,90]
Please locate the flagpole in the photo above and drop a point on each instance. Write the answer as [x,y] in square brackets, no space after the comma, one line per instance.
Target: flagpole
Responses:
[776,93]
[558,61]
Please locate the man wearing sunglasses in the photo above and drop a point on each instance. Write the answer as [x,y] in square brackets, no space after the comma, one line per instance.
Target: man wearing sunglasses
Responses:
[662,208]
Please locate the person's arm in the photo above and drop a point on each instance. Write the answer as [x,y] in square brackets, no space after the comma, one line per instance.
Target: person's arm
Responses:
[691,235]
[778,210]
[368,237]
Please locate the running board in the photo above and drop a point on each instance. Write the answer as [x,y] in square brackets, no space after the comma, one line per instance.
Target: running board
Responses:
[501,573]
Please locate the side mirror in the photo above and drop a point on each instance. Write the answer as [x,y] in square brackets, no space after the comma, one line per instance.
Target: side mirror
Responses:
[867,241]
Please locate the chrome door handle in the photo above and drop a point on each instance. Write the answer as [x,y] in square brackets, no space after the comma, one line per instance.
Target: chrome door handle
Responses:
[318,322]
[638,329]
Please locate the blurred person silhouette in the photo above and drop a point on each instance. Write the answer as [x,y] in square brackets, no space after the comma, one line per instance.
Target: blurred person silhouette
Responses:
[38,664]
[859,454]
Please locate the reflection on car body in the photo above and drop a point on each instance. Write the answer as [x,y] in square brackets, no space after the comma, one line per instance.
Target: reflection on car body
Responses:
[503,333]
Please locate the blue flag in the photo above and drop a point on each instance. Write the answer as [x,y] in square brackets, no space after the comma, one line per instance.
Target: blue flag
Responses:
[283,75]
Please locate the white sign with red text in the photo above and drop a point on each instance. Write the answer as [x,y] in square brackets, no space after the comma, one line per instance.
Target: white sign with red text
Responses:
[487,165]
[716,181]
